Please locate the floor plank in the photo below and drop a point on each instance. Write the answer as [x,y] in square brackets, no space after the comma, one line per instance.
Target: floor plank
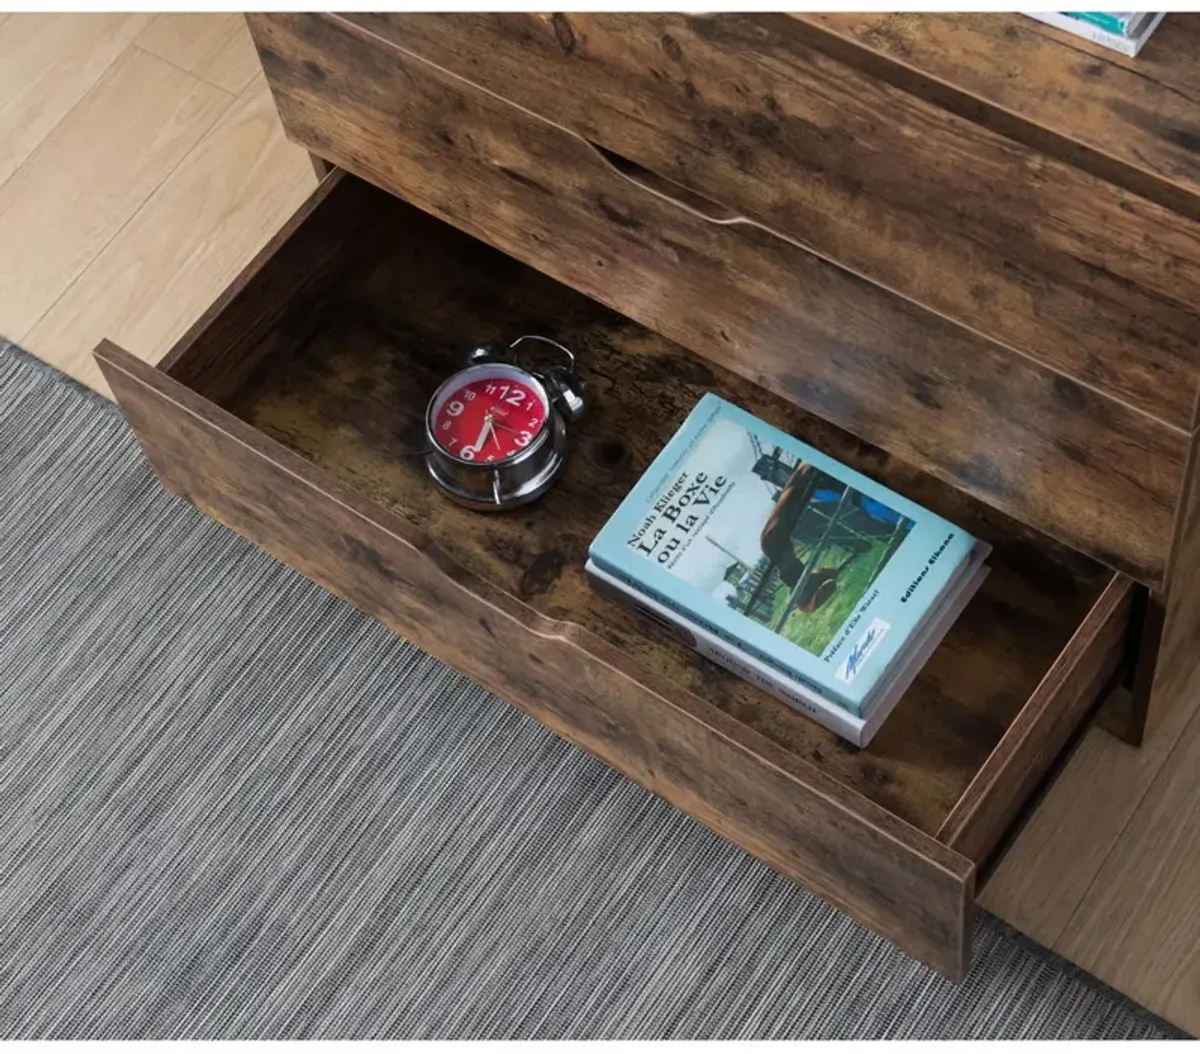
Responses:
[215,46]
[65,203]
[47,64]
[236,64]
[1140,931]
[168,264]
[1042,882]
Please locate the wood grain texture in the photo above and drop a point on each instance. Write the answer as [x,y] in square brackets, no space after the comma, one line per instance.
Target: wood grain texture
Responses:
[137,124]
[1098,284]
[213,45]
[1138,928]
[347,389]
[1178,653]
[1086,667]
[321,168]
[797,819]
[50,62]
[1043,881]
[196,232]
[1084,468]
[1042,885]
[236,65]
[1127,712]
[222,349]
[1131,121]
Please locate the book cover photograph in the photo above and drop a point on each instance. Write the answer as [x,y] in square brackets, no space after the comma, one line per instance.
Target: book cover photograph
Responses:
[771,544]
[796,553]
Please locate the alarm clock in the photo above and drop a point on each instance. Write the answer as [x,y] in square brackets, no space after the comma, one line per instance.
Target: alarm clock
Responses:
[496,432]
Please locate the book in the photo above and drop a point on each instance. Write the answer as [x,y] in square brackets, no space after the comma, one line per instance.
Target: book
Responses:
[784,553]
[1127,24]
[1126,45]
[858,730]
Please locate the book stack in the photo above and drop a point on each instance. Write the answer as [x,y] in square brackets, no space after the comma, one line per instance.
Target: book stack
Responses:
[1126,33]
[786,567]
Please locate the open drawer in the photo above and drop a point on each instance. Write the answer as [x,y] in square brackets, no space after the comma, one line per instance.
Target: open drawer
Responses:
[292,411]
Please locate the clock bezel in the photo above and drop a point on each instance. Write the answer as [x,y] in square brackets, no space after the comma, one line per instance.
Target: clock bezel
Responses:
[482,371]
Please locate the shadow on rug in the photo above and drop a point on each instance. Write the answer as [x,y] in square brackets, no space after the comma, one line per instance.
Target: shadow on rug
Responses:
[231,806]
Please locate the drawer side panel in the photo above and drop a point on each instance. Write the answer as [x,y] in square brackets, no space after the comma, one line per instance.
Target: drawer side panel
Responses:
[1087,667]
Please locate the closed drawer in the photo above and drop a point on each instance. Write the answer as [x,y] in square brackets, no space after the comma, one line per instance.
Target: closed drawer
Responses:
[1094,281]
[1050,450]
[291,412]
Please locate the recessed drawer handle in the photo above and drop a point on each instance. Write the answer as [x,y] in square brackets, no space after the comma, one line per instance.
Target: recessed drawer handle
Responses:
[667,189]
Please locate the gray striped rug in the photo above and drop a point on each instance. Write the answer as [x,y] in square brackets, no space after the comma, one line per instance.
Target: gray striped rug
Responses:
[231,806]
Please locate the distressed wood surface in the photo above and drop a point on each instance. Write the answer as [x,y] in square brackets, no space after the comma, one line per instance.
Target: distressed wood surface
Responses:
[347,389]
[1033,442]
[220,351]
[1126,711]
[1147,877]
[1098,283]
[1087,666]
[1132,121]
[747,789]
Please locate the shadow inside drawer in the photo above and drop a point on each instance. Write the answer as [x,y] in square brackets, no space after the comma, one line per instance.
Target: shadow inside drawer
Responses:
[345,382]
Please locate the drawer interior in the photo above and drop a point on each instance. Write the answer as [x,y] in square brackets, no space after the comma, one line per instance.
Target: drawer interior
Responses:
[334,344]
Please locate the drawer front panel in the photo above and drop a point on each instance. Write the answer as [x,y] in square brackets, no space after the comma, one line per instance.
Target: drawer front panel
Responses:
[1094,281]
[1085,469]
[798,820]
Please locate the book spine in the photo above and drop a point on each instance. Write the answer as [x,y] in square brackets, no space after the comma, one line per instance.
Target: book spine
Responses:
[728,659]
[717,631]
[827,714]
[1104,20]
[1117,42]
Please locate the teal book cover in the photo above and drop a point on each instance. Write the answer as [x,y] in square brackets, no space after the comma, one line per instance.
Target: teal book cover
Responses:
[1124,23]
[787,553]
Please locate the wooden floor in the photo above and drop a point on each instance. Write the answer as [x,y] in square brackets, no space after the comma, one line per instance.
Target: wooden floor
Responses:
[142,165]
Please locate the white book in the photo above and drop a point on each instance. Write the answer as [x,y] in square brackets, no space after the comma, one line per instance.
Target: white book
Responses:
[1126,45]
[858,730]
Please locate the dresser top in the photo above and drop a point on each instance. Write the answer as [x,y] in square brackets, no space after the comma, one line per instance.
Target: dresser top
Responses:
[1134,121]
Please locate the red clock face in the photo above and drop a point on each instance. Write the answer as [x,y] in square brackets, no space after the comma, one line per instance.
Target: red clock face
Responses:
[493,414]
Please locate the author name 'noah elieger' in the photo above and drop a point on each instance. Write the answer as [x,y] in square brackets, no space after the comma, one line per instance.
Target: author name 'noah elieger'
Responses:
[681,510]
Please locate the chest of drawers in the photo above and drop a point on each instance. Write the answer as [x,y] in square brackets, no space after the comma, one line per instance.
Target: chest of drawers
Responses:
[814,218]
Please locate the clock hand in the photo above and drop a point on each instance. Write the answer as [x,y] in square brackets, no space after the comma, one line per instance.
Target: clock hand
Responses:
[483,432]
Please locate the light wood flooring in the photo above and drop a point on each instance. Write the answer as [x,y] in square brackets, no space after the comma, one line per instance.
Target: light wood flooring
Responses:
[142,165]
